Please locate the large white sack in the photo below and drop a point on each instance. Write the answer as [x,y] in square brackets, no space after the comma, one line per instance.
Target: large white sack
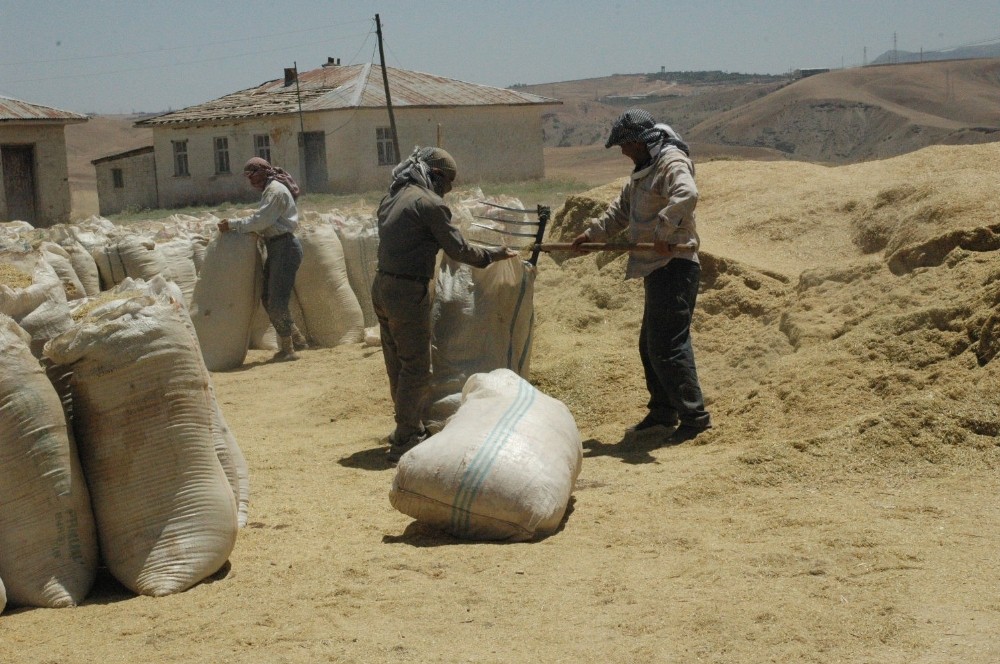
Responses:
[48,545]
[32,294]
[56,256]
[179,267]
[330,311]
[230,455]
[225,298]
[359,237]
[482,320]
[84,266]
[503,468]
[144,418]
[3,596]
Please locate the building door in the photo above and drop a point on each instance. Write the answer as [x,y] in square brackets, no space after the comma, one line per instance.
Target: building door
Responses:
[313,157]
[19,181]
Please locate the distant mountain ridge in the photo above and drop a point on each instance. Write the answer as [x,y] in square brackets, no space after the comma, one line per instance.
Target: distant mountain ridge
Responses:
[838,116]
[962,53]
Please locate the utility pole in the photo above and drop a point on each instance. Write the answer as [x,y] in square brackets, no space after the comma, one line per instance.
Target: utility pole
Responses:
[385,83]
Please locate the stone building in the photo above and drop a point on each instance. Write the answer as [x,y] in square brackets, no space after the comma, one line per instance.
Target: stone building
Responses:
[33,168]
[127,181]
[329,127]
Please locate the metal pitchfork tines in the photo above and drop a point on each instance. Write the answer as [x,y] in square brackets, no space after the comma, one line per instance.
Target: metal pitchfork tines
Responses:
[543,212]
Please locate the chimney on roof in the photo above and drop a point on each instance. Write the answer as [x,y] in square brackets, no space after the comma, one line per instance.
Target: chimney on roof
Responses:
[289,75]
[332,62]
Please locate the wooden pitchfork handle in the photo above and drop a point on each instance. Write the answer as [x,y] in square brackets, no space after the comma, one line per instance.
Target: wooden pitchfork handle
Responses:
[594,246]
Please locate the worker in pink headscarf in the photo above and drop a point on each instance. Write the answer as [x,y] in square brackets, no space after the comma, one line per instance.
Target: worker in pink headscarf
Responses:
[275,221]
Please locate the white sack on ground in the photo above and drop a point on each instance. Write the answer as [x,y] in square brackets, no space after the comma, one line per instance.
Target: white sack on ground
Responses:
[48,545]
[224,299]
[56,256]
[262,334]
[234,464]
[330,309]
[130,256]
[482,320]
[143,414]
[32,294]
[3,596]
[503,468]
[359,237]
[84,266]
[179,267]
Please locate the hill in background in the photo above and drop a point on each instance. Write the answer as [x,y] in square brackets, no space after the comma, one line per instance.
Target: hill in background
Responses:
[836,117]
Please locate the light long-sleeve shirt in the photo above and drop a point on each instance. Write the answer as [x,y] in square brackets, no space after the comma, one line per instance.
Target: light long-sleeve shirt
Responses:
[657,203]
[276,214]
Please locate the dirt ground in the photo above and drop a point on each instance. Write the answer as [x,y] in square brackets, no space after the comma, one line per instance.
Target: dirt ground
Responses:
[843,509]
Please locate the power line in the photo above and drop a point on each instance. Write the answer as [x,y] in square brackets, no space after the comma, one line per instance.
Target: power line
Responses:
[172,48]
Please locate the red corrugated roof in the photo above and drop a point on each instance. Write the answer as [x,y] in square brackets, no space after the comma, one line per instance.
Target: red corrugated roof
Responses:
[15,110]
[354,86]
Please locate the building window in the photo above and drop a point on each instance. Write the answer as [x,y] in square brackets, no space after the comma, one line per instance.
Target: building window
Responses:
[181,159]
[386,148]
[262,146]
[222,155]
[118,178]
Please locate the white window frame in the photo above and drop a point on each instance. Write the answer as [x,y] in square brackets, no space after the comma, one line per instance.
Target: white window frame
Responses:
[220,146]
[181,169]
[262,146]
[385,146]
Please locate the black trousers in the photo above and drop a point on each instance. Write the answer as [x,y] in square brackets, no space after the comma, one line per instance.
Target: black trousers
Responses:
[665,344]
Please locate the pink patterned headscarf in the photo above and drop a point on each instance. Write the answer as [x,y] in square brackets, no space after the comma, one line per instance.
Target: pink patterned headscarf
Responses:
[273,173]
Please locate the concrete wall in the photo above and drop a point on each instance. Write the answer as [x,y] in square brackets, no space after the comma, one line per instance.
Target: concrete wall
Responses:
[52,196]
[203,186]
[490,144]
[139,179]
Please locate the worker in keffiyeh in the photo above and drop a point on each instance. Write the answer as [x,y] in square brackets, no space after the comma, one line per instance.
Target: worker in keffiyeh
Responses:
[414,222]
[657,206]
[275,221]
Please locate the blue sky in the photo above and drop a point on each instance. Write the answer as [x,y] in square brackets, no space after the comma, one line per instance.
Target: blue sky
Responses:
[120,56]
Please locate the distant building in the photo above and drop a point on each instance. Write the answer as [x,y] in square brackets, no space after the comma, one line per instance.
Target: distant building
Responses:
[330,128]
[33,166]
[127,181]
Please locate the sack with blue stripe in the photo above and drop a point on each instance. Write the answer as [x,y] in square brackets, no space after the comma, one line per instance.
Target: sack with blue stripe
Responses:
[502,468]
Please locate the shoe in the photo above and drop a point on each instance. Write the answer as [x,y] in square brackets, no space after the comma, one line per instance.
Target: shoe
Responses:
[649,422]
[397,450]
[286,351]
[684,433]
[299,341]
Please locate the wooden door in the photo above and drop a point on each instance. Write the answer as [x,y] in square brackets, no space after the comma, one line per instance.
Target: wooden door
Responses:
[19,181]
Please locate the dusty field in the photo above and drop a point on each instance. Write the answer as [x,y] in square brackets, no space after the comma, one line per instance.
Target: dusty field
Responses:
[844,509]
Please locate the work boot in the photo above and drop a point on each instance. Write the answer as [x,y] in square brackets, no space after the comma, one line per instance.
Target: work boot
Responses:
[299,341]
[397,450]
[286,350]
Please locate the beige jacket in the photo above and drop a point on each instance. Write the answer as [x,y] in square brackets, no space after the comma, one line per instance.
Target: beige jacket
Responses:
[657,203]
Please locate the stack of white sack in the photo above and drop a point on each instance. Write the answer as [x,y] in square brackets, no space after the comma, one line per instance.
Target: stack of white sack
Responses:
[48,545]
[503,468]
[481,320]
[147,428]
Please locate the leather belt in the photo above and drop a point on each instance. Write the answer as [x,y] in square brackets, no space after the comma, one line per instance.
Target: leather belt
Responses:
[407,277]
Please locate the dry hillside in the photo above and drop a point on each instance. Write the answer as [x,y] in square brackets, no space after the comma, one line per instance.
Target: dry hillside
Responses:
[869,113]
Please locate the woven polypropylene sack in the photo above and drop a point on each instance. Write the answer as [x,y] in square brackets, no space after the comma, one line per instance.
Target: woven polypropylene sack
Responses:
[482,320]
[503,468]
[224,299]
[330,310]
[144,417]
[48,545]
